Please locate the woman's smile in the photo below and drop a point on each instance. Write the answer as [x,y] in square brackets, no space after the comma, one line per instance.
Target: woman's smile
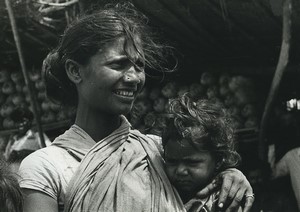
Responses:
[125,95]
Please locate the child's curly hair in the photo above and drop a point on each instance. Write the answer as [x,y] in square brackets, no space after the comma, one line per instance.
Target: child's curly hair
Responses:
[206,123]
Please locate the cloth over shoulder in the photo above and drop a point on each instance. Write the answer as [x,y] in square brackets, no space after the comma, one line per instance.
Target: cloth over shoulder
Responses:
[122,172]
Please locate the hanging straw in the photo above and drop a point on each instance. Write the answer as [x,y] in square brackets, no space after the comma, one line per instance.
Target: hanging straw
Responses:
[25,73]
[280,69]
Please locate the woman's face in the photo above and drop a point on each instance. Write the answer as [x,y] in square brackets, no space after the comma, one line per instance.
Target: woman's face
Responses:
[112,79]
[188,169]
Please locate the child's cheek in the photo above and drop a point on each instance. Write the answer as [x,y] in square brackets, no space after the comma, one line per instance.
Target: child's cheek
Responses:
[170,172]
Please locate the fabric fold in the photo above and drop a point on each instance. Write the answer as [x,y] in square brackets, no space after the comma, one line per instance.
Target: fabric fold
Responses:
[122,172]
[76,141]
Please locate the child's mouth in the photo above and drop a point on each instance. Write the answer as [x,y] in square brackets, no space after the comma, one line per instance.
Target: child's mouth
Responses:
[183,183]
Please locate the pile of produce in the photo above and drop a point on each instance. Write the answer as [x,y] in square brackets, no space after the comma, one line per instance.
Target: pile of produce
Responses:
[236,93]
[14,93]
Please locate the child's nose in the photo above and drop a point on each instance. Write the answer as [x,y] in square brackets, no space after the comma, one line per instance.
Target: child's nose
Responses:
[181,170]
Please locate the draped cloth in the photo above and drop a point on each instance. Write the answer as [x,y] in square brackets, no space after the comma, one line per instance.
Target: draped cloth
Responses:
[122,172]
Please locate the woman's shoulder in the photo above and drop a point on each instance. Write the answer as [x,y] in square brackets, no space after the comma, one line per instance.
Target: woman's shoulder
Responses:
[51,156]
[49,162]
[49,153]
[47,170]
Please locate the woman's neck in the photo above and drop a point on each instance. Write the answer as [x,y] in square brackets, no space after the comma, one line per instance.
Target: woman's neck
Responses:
[98,126]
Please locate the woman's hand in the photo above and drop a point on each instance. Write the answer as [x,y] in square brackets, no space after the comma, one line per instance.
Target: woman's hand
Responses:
[235,187]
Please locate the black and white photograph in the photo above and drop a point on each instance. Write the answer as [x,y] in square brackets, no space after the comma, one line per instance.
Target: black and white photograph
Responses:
[150,106]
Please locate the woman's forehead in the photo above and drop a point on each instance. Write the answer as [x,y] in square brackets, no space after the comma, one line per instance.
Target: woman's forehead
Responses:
[123,47]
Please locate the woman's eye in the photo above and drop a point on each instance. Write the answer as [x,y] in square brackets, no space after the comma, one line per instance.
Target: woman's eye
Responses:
[139,65]
[120,64]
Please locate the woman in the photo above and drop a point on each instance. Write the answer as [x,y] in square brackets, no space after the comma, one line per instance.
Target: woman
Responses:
[98,67]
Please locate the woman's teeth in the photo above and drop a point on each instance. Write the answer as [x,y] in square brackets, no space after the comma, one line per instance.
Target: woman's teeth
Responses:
[125,93]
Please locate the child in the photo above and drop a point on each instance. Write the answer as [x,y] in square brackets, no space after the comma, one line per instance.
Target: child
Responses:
[23,118]
[198,144]
[26,140]
[11,199]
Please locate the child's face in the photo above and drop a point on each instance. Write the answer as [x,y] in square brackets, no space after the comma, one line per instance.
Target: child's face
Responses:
[189,169]
[24,125]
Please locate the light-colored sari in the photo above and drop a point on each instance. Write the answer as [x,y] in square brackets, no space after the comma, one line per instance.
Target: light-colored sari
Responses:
[124,172]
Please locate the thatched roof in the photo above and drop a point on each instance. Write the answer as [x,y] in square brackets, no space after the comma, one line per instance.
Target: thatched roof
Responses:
[248,31]
[244,32]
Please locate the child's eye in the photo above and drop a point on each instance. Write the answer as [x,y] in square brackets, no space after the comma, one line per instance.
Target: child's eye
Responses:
[171,162]
[194,162]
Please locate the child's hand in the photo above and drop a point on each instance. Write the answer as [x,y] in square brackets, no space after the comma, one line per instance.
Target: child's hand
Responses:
[234,188]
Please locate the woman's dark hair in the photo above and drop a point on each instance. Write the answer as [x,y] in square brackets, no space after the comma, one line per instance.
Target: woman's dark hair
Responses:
[11,198]
[205,123]
[89,33]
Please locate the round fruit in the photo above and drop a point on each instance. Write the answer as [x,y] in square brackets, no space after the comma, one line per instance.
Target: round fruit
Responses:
[8,123]
[4,76]
[8,87]
[6,109]
[18,99]
[16,76]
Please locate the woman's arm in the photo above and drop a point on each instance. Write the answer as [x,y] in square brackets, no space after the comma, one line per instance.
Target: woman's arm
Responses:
[235,187]
[36,201]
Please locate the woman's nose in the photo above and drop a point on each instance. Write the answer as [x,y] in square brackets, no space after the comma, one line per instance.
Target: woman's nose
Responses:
[131,75]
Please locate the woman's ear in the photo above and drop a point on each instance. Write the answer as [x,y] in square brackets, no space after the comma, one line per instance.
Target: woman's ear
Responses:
[73,71]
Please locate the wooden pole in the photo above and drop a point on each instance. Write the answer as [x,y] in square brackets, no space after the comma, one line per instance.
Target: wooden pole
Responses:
[25,73]
[280,69]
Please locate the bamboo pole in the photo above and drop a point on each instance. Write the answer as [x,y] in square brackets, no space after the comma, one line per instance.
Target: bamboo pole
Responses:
[280,69]
[66,4]
[25,73]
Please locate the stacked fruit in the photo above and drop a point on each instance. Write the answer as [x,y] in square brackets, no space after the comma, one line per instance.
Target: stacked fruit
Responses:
[15,93]
[236,93]
[49,110]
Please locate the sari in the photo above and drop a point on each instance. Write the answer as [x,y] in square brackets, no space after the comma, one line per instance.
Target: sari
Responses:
[122,172]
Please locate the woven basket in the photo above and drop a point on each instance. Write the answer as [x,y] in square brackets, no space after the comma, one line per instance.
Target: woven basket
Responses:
[55,14]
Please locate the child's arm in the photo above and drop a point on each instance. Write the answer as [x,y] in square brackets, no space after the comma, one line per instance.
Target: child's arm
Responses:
[235,187]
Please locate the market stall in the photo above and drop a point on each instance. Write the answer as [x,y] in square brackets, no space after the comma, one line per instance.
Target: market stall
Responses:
[243,54]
